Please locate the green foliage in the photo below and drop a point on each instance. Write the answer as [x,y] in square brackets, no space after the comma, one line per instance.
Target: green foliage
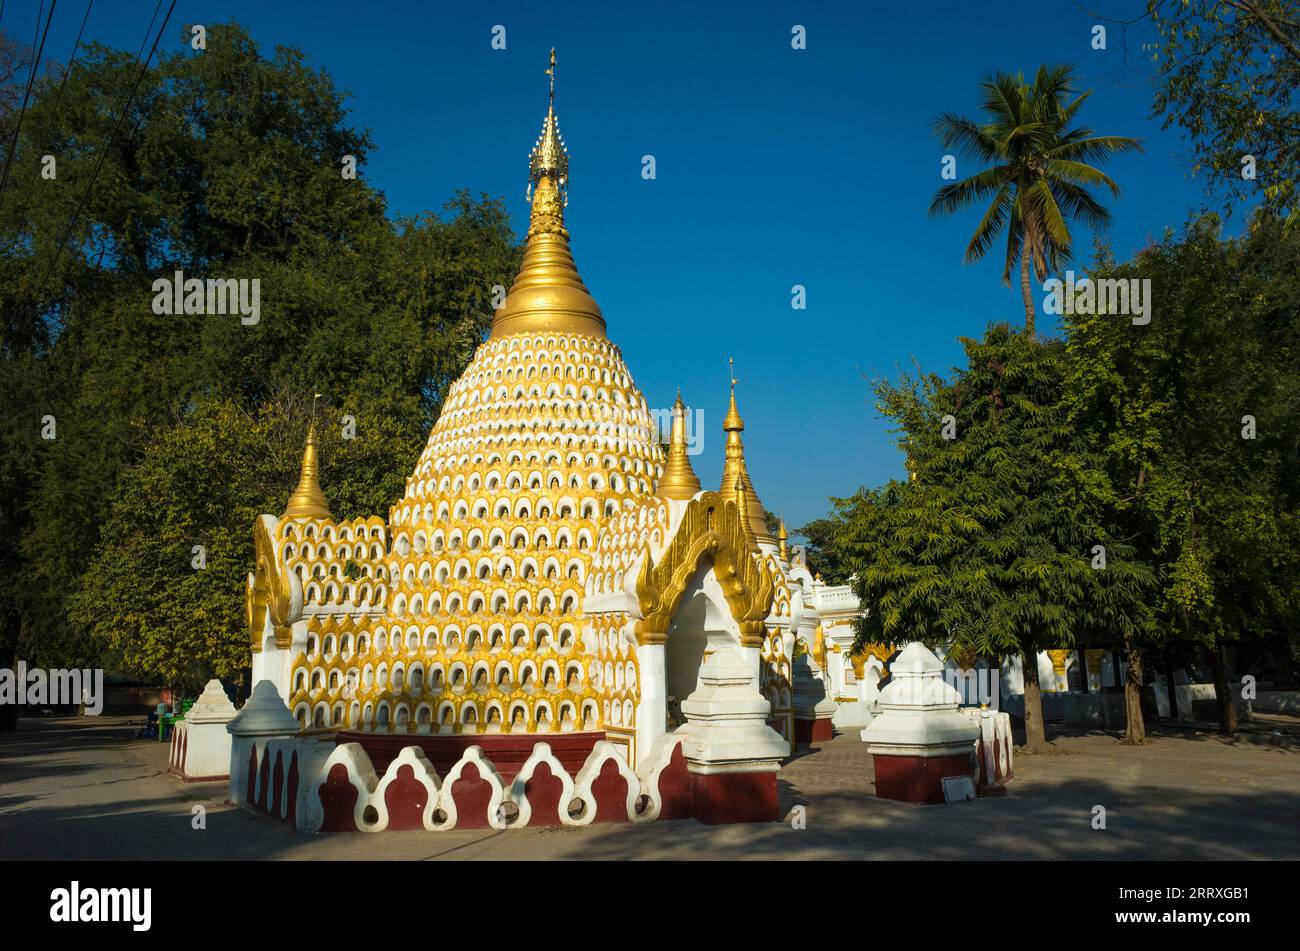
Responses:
[203,481]
[1160,411]
[191,425]
[1229,75]
[824,558]
[988,548]
[1124,436]
[1039,177]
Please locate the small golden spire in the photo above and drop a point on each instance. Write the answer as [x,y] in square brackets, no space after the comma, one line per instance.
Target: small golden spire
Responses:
[548,293]
[733,422]
[308,501]
[735,472]
[679,480]
[781,539]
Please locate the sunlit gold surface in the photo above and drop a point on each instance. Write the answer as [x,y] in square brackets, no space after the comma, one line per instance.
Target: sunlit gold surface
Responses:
[735,473]
[308,501]
[548,295]
[712,529]
[679,480]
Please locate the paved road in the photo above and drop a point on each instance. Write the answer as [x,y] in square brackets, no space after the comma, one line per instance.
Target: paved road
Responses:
[84,789]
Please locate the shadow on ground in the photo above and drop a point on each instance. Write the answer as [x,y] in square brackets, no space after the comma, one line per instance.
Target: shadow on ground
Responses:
[79,791]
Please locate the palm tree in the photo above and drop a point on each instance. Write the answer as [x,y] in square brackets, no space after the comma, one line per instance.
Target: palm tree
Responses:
[1040,176]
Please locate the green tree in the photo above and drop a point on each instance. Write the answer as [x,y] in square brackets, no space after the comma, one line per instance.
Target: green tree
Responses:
[1191,425]
[228,165]
[155,607]
[824,558]
[1229,71]
[1039,177]
[987,550]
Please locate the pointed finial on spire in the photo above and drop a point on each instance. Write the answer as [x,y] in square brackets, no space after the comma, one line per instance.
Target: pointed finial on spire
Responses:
[735,474]
[548,294]
[781,538]
[733,422]
[308,500]
[549,158]
[679,480]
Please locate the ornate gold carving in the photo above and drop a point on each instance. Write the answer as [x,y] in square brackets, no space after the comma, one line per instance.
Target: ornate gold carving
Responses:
[308,501]
[711,528]
[735,474]
[679,481]
[271,591]
[860,658]
[548,294]
[1059,659]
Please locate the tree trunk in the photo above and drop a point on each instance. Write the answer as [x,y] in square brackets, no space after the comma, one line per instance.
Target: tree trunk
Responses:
[1222,695]
[1285,665]
[9,711]
[1035,729]
[1027,289]
[1135,730]
[1170,685]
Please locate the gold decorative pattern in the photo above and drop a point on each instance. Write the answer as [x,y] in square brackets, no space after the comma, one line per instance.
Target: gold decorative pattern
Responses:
[270,592]
[679,481]
[711,527]
[308,500]
[859,660]
[1059,660]
[735,475]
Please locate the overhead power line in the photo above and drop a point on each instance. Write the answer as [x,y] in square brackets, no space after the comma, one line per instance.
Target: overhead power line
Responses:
[37,49]
[76,213]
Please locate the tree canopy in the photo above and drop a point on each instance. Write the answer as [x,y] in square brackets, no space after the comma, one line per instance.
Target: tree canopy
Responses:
[1229,77]
[173,430]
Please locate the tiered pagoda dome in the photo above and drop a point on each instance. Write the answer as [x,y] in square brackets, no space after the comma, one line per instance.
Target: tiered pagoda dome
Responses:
[475,616]
[530,578]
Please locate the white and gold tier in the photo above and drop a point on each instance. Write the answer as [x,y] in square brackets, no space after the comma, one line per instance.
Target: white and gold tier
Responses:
[544,543]
[473,619]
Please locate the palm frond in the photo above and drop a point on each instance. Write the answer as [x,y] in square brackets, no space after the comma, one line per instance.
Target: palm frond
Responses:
[1093,148]
[1015,241]
[957,195]
[965,136]
[990,225]
[1079,173]
[1076,202]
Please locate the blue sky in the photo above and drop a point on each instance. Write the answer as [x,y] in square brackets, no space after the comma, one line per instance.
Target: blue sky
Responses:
[775,167]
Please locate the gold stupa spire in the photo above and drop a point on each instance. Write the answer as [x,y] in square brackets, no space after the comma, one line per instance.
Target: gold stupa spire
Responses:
[781,538]
[679,480]
[735,475]
[548,294]
[308,501]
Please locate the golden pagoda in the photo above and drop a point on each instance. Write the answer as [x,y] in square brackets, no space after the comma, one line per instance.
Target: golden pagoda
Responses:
[470,617]
[735,475]
[308,500]
[679,480]
[544,541]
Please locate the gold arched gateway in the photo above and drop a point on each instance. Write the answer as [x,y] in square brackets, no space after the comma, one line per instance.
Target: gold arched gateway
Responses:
[270,590]
[859,659]
[711,528]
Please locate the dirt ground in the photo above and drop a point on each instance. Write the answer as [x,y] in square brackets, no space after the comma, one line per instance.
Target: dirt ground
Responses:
[86,789]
